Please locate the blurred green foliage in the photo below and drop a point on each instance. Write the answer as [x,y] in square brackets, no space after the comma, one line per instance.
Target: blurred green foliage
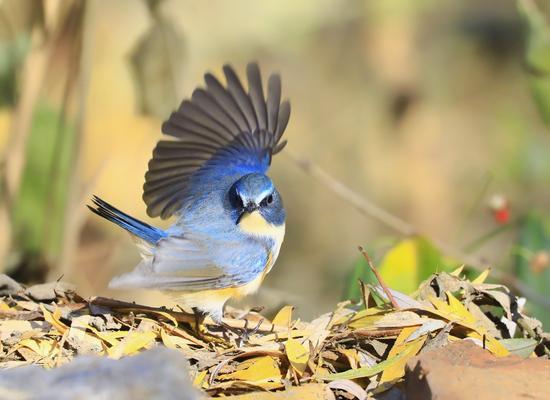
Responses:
[532,260]
[538,56]
[12,54]
[38,211]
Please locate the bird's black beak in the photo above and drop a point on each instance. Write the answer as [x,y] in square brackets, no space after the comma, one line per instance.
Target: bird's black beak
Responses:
[250,207]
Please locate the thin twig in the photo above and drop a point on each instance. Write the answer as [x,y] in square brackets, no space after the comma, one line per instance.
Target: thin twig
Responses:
[179,316]
[379,278]
[359,202]
[371,210]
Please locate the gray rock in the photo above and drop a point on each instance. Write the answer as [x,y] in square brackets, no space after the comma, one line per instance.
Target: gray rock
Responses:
[9,286]
[49,291]
[159,373]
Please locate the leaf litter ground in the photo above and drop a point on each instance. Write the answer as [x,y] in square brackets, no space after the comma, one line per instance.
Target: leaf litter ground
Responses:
[358,350]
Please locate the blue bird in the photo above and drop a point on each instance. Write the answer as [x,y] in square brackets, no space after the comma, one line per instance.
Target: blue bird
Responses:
[230,219]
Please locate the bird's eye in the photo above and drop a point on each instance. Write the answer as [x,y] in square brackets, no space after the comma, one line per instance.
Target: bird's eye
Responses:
[267,200]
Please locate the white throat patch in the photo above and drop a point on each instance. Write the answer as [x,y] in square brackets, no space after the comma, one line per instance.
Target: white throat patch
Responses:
[255,224]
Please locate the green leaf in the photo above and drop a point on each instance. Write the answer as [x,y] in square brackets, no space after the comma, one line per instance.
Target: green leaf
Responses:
[538,36]
[537,56]
[540,88]
[364,372]
[533,244]
[520,347]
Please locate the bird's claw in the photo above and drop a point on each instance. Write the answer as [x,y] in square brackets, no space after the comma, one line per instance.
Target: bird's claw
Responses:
[243,333]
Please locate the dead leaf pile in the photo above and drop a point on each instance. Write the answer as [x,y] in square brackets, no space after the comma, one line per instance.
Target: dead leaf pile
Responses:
[353,352]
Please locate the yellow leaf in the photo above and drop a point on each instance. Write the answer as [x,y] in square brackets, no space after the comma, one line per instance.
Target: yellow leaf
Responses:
[491,344]
[396,319]
[401,346]
[365,322]
[457,271]
[481,277]
[167,339]
[400,265]
[294,333]
[43,348]
[284,316]
[455,311]
[166,315]
[351,355]
[460,310]
[4,306]
[109,337]
[257,370]
[363,318]
[447,312]
[199,380]
[30,344]
[322,371]
[297,354]
[133,342]
[53,319]
[173,342]
[364,313]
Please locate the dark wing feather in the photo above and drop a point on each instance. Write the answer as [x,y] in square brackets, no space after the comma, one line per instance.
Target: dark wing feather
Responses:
[273,101]
[235,88]
[226,129]
[256,94]
[224,99]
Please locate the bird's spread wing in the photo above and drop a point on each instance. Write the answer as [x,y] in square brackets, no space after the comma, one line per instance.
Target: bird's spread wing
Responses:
[220,130]
[184,263]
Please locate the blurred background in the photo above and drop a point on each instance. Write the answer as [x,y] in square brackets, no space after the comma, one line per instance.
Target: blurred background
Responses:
[419,129]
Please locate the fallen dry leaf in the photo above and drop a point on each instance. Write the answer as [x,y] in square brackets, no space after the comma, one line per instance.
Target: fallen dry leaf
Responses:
[280,359]
[297,354]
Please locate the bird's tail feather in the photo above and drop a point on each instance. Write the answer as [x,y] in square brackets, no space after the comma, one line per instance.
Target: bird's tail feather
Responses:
[136,227]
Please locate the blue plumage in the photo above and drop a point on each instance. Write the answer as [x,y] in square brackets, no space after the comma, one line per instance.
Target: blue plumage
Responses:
[136,227]
[211,176]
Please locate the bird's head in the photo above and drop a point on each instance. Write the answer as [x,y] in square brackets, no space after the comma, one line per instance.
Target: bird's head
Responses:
[257,204]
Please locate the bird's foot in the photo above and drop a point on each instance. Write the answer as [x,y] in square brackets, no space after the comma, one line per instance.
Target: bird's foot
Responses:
[256,328]
[243,334]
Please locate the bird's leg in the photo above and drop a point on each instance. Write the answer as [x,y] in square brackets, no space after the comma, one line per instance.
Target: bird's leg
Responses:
[255,329]
[243,333]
